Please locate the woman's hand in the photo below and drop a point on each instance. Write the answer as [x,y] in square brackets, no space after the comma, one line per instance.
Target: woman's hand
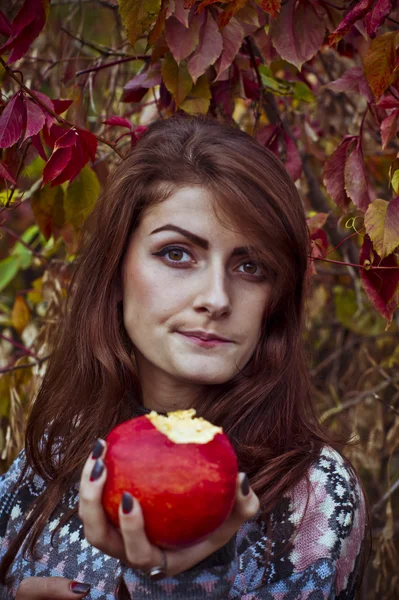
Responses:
[51,588]
[130,544]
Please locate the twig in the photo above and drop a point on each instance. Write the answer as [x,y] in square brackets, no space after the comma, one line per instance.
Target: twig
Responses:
[39,362]
[19,346]
[340,262]
[112,64]
[21,241]
[104,51]
[385,497]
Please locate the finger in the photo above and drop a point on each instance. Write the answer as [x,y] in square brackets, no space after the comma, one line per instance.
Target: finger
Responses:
[51,588]
[97,529]
[246,506]
[140,553]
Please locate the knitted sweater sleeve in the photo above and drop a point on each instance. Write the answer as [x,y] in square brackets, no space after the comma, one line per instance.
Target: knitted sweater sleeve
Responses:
[316,550]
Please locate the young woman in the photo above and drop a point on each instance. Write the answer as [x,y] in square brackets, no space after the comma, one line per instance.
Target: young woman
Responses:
[199,234]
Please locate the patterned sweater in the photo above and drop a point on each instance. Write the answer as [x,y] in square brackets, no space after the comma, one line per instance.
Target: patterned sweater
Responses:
[322,562]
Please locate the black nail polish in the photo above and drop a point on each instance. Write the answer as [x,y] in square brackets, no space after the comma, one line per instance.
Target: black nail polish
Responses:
[97,450]
[80,588]
[245,486]
[97,470]
[127,503]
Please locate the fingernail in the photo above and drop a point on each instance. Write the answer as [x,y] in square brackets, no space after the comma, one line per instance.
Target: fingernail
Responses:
[79,588]
[127,503]
[97,470]
[245,486]
[97,450]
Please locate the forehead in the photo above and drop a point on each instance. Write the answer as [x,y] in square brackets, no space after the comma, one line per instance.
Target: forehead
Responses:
[193,208]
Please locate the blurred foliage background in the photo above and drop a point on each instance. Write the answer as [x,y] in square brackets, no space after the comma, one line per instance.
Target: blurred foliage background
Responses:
[122,66]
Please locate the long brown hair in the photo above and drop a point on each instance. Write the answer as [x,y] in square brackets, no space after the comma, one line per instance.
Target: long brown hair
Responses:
[91,383]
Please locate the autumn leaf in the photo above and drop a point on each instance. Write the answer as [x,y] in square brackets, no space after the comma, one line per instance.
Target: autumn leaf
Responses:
[356,183]
[71,152]
[229,11]
[232,35]
[357,12]
[298,32]
[159,25]
[48,208]
[26,26]
[20,314]
[272,7]
[380,63]
[177,79]
[12,121]
[197,101]
[209,48]
[334,173]
[181,13]
[5,173]
[353,80]
[182,41]
[80,197]
[382,225]
[380,285]
[137,16]
[137,87]
[118,122]
[375,18]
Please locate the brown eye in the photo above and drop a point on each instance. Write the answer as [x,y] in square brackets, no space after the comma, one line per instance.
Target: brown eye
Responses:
[175,255]
[252,268]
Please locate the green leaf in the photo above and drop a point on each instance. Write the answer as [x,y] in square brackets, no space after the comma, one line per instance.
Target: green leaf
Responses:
[9,267]
[199,98]
[176,78]
[277,86]
[382,224]
[395,181]
[302,92]
[365,321]
[23,254]
[137,16]
[80,197]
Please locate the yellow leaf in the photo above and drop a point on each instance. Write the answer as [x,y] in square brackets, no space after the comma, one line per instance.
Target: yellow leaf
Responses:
[382,225]
[199,98]
[137,16]
[395,181]
[380,63]
[36,296]
[80,197]
[20,314]
[176,78]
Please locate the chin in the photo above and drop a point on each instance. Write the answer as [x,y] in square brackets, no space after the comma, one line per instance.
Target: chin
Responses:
[203,377]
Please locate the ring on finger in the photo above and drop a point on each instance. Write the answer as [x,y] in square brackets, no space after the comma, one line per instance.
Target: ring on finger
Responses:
[158,572]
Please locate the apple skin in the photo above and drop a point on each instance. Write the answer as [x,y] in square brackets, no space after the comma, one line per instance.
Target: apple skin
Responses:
[186,491]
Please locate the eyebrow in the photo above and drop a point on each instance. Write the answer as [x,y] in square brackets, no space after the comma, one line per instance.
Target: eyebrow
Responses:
[199,241]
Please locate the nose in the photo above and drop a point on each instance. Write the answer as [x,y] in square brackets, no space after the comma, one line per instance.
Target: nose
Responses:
[214,296]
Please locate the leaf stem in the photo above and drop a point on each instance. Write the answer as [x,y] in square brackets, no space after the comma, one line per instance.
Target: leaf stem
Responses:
[18,345]
[112,64]
[348,264]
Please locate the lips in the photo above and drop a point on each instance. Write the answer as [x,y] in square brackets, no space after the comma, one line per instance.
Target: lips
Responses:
[206,337]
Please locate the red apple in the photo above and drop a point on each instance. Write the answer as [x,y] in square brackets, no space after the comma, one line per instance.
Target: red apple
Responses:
[181,469]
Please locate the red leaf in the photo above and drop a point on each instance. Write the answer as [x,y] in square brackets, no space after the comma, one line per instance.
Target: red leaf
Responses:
[181,13]
[321,240]
[298,32]
[232,35]
[118,122]
[50,105]
[222,97]
[358,12]
[389,127]
[209,48]
[51,136]
[354,80]
[182,41]
[387,102]
[272,7]
[381,286]
[35,118]
[37,144]
[137,134]
[57,162]
[5,173]
[60,106]
[356,184]
[25,28]
[74,166]
[5,25]
[231,9]
[12,121]
[68,139]
[375,18]
[293,161]
[137,87]
[89,143]
[334,173]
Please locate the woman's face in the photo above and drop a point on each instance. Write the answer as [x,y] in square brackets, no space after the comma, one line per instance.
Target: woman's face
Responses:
[201,281]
